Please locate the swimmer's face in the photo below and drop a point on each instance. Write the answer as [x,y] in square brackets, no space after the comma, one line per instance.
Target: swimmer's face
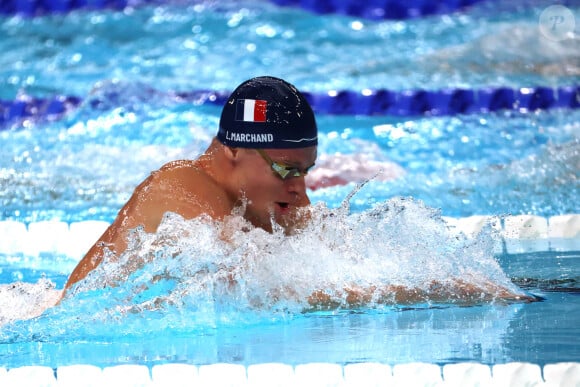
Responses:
[267,192]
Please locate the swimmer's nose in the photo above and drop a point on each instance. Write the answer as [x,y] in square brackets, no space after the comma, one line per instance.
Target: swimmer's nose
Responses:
[297,187]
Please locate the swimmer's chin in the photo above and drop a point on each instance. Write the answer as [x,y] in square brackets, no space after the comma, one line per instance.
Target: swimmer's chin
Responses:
[292,218]
[281,216]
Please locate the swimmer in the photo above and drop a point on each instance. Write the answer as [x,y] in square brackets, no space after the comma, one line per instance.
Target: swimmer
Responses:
[266,143]
[265,146]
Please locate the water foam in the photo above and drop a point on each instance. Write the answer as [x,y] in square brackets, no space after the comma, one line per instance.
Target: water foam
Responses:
[191,262]
[202,273]
[20,300]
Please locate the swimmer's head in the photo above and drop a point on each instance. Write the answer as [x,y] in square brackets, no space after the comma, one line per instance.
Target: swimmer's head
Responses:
[267,112]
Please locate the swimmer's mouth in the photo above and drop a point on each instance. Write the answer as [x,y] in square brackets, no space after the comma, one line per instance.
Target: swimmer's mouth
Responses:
[283,205]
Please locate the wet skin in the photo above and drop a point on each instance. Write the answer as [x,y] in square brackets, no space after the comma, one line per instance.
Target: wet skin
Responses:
[217,182]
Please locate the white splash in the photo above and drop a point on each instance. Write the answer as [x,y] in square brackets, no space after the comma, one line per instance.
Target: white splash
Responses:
[204,273]
[20,300]
[202,263]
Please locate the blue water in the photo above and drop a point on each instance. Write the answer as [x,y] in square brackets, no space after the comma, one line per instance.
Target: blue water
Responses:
[486,334]
[504,163]
[217,45]
[85,166]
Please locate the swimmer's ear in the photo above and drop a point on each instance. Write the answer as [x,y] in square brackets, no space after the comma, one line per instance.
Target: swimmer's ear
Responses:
[231,152]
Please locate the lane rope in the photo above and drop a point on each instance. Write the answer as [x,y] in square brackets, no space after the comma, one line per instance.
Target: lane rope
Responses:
[370,9]
[406,103]
[519,234]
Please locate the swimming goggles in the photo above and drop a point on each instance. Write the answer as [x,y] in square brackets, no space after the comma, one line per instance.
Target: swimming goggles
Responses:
[282,170]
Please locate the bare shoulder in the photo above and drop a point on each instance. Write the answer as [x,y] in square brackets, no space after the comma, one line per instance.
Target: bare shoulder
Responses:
[184,187]
[178,169]
[188,175]
[180,186]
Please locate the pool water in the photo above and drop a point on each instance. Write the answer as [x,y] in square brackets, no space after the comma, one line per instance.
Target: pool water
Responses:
[485,334]
[505,163]
[103,328]
[217,45]
[85,165]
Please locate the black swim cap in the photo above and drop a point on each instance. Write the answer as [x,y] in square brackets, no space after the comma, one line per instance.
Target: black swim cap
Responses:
[267,112]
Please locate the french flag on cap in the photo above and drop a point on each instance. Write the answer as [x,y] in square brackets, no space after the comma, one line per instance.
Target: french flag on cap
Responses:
[251,110]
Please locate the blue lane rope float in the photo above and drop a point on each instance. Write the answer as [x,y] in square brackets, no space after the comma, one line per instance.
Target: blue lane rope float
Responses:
[380,9]
[369,9]
[36,108]
[406,103]
[31,8]
[444,102]
[372,9]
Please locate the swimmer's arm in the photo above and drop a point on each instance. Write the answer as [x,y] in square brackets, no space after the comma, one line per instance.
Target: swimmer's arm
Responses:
[356,296]
[455,292]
